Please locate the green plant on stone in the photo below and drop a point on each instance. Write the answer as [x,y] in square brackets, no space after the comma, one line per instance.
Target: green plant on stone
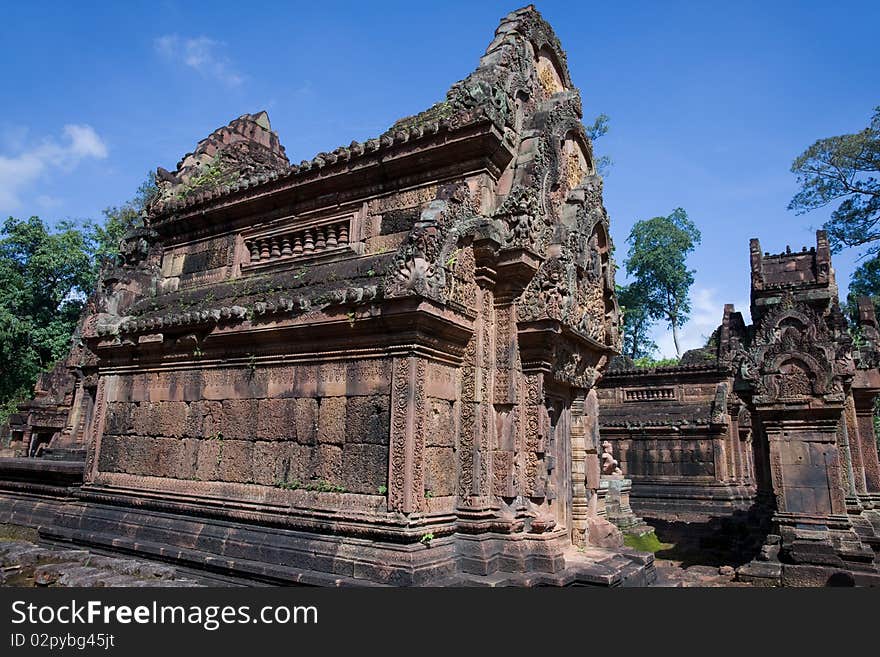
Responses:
[383,489]
[316,486]
[426,539]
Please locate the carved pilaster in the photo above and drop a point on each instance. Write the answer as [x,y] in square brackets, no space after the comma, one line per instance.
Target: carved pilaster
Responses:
[96,428]
[407,440]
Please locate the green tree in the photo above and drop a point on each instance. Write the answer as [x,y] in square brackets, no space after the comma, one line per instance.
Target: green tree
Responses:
[844,169]
[658,249]
[865,282]
[599,128]
[105,236]
[637,321]
[44,279]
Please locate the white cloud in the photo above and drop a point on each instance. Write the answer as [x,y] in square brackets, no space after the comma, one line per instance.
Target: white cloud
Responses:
[707,310]
[48,202]
[21,170]
[200,54]
[85,142]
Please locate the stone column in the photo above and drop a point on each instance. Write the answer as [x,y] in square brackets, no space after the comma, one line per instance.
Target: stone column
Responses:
[864,411]
[854,446]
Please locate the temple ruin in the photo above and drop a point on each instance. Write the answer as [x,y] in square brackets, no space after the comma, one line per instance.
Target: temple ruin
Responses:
[384,365]
[770,424]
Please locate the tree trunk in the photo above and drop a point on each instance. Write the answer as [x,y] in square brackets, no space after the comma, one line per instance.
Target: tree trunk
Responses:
[675,340]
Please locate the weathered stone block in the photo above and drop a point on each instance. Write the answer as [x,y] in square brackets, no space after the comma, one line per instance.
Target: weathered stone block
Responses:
[331,421]
[141,455]
[109,455]
[276,419]
[170,418]
[239,419]
[188,458]
[364,468]
[440,470]
[292,461]
[306,421]
[118,418]
[326,463]
[203,419]
[265,463]
[439,424]
[208,460]
[236,460]
[168,452]
[367,420]
[143,419]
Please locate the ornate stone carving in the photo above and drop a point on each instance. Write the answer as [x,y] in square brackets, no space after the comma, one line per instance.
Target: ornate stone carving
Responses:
[610,466]
[244,149]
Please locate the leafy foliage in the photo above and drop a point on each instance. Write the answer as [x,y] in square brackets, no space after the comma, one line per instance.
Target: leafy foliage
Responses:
[118,220]
[599,128]
[647,361]
[44,280]
[637,321]
[45,277]
[658,249]
[844,169]
[865,282]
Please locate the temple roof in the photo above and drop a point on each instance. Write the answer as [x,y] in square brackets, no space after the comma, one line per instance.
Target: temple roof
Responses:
[479,98]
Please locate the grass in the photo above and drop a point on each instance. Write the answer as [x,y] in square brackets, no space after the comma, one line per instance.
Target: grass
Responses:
[316,485]
[10,532]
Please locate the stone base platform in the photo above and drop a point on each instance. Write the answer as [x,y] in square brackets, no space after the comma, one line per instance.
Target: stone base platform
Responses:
[763,573]
[281,556]
[622,567]
[32,490]
[258,554]
[688,502]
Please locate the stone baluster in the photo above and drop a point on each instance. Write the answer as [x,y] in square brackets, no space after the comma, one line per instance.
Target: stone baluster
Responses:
[320,242]
[286,251]
[331,236]
[264,249]
[343,234]
[309,246]
[254,249]
[297,244]
[276,248]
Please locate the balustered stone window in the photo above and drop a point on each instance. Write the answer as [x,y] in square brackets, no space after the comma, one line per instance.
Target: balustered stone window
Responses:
[281,245]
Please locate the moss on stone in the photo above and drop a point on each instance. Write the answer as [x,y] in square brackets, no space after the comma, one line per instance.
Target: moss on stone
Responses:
[647,542]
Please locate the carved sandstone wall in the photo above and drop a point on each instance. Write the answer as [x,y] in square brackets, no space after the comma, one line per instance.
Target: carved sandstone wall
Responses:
[397,340]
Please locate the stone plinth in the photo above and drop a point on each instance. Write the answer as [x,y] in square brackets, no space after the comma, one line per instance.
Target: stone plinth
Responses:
[613,504]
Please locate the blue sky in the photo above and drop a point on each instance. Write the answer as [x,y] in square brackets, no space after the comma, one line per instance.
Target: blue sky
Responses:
[709,102]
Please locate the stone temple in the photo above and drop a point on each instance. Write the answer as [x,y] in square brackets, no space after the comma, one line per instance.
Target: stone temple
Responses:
[385,365]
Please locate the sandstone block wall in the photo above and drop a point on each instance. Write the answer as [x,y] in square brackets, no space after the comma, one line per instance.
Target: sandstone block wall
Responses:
[267,425]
